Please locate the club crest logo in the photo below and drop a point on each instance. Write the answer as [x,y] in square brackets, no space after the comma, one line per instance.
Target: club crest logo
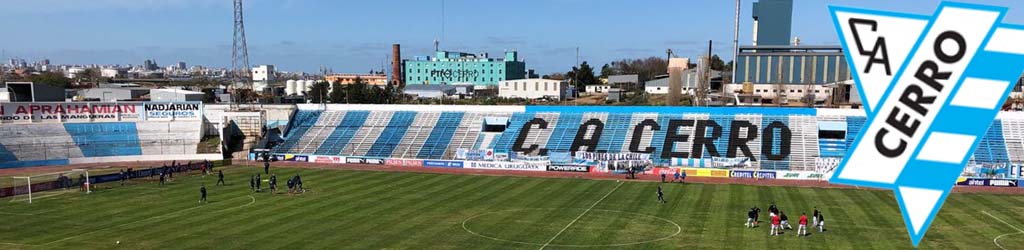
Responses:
[931,86]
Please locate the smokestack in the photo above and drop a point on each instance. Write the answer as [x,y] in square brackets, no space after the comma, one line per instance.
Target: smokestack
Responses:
[397,78]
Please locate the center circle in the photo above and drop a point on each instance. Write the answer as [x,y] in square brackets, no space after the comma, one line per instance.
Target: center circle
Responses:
[564,227]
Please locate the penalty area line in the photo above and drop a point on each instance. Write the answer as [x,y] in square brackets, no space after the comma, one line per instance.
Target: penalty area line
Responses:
[581,216]
[996,239]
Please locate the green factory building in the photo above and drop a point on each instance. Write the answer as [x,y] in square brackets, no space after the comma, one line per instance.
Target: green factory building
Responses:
[448,67]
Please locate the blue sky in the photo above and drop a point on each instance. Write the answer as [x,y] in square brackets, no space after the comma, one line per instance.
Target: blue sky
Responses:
[355,35]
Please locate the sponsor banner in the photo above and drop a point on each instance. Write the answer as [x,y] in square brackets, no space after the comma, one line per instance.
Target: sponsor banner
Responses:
[404,163]
[765,174]
[703,172]
[799,175]
[479,155]
[742,174]
[500,156]
[364,160]
[289,157]
[581,169]
[327,159]
[522,166]
[583,155]
[748,174]
[69,112]
[167,111]
[986,182]
[442,164]
[412,163]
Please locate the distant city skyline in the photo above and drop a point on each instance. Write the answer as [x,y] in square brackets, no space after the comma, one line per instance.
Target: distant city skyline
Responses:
[348,36]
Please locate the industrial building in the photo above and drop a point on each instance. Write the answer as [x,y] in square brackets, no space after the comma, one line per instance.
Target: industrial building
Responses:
[113,94]
[535,89]
[175,95]
[690,81]
[447,67]
[773,22]
[430,91]
[346,79]
[791,64]
[31,92]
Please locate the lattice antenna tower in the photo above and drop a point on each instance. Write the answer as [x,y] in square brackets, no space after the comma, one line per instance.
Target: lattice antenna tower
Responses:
[239,57]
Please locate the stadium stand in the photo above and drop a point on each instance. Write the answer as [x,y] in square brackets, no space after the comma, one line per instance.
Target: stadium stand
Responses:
[776,138]
[45,142]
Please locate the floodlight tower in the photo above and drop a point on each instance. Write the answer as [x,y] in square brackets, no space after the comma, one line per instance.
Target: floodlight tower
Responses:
[240,71]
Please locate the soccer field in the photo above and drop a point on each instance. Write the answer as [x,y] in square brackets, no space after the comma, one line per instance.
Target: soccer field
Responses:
[348,209]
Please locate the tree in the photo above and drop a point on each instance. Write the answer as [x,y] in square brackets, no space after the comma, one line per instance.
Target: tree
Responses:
[584,75]
[356,92]
[50,78]
[88,75]
[607,70]
[318,94]
[337,93]
[717,63]
[645,69]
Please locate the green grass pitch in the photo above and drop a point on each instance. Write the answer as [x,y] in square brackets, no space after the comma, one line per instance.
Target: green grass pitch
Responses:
[385,210]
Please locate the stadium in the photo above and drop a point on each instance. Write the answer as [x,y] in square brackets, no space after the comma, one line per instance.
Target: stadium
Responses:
[466,177]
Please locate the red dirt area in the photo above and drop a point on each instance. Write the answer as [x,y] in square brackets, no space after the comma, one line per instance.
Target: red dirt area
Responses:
[540,174]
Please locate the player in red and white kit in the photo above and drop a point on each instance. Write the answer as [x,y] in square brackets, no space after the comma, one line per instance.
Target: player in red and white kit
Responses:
[802,229]
[776,229]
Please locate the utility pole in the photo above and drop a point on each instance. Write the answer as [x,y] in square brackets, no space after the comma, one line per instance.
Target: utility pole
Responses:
[576,77]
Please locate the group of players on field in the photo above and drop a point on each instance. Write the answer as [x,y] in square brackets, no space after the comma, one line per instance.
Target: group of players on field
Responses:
[779,220]
[255,181]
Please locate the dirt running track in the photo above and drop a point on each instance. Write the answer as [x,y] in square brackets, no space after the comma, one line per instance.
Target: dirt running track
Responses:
[541,174]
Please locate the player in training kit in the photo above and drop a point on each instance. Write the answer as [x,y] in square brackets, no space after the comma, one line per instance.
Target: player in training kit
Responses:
[814,217]
[773,210]
[821,222]
[266,167]
[252,183]
[220,178]
[785,221]
[202,193]
[802,229]
[750,218]
[776,229]
[259,179]
[757,215]
[273,184]
[661,196]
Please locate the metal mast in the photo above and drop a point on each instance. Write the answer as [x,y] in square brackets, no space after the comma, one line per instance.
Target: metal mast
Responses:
[735,42]
[240,72]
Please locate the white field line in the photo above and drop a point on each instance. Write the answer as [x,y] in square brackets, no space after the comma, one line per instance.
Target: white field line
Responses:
[581,216]
[996,239]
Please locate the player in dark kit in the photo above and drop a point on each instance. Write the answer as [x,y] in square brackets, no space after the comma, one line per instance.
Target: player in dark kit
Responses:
[252,183]
[661,196]
[266,167]
[220,178]
[750,218]
[273,184]
[202,194]
[258,180]
[757,215]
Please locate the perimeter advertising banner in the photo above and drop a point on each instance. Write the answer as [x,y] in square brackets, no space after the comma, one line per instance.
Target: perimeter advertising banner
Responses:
[499,165]
[56,112]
